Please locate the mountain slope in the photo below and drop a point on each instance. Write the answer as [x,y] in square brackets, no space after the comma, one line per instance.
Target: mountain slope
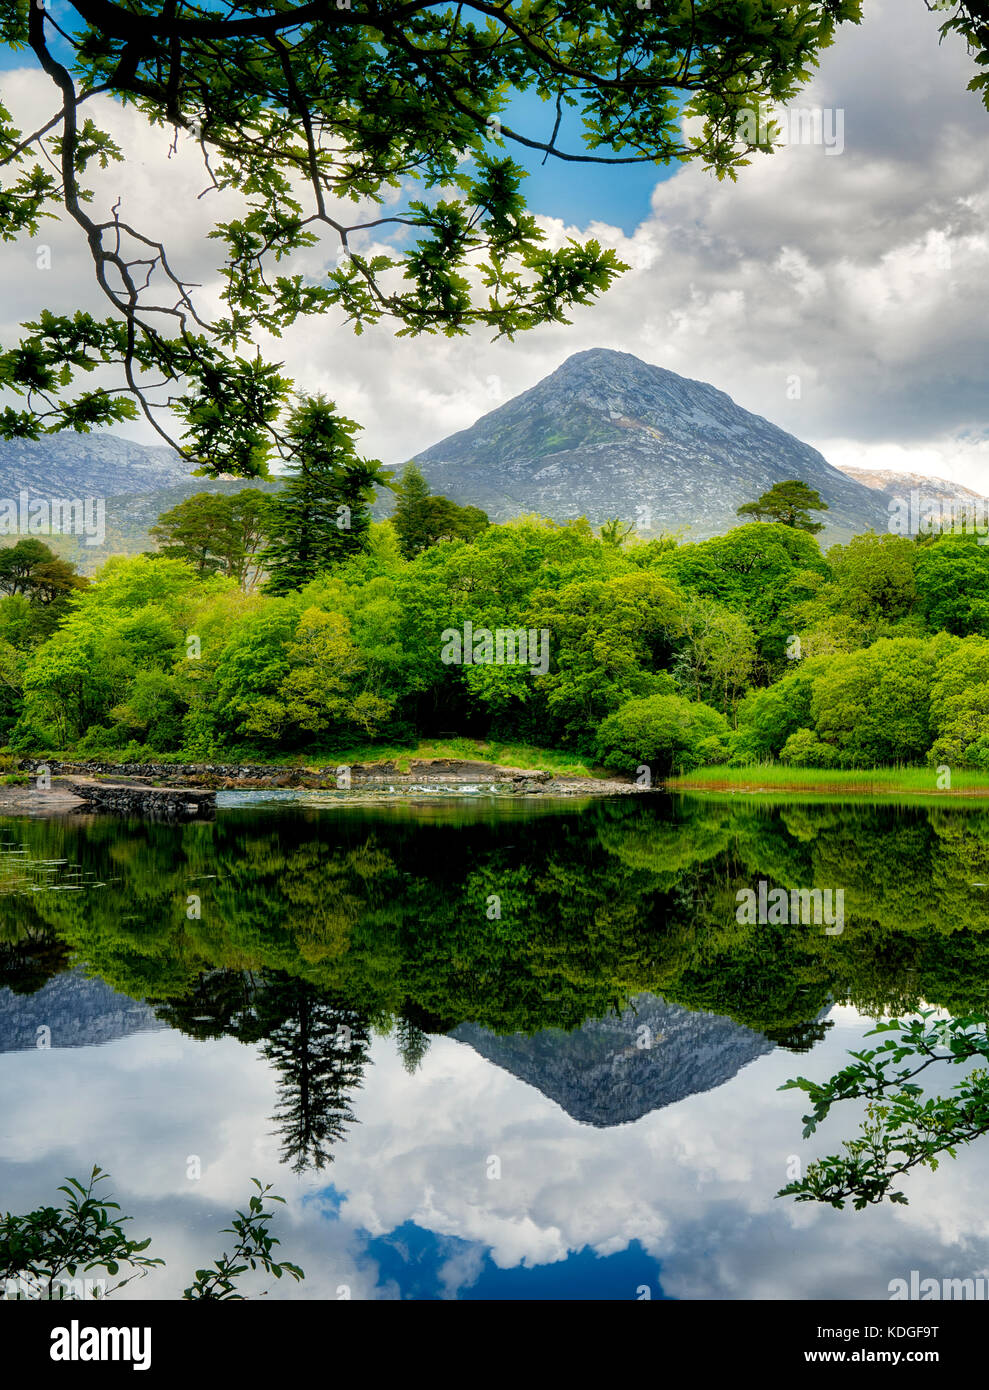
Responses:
[87,465]
[609,435]
[80,1012]
[137,482]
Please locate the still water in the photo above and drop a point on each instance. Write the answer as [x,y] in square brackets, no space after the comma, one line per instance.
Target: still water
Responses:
[486,1049]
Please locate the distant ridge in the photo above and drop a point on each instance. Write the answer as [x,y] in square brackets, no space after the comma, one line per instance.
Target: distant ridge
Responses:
[890,483]
[604,435]
[87,465]
[137,481]
[79,1011]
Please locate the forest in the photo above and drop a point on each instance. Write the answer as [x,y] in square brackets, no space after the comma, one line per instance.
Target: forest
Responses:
[754,646]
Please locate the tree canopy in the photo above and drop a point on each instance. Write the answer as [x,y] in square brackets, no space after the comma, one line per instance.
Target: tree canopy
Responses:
[304,111]
[790,503]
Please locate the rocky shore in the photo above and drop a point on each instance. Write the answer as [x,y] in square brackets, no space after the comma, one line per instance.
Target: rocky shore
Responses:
[185,790]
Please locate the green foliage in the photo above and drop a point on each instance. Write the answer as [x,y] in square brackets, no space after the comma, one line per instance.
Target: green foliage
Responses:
[217,533]
[960,706]
[873,706]
[411,515]
[302,932]
[665,732]
[805,749]
[904,1128]
[872,593]
[953,585]
[41,1248]
[768,718]
[966,17]
[789,503]
[40,586]
[38,1250]
[818,662]
[322,514]
[718,661]
[299,111]
[252,1250]
[421,519]
[761,572]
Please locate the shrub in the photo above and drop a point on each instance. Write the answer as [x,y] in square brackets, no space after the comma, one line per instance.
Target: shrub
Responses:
[805,749]
[667,732]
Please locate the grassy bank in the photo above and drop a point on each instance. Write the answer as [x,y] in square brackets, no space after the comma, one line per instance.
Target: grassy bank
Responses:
[470,750]
[368,755]
[774,777]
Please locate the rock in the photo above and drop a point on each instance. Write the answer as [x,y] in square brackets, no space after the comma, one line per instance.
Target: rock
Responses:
[80,1011]
[152,803]
[613,1070]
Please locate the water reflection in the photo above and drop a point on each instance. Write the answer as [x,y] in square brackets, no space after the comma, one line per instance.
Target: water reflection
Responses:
[592,955]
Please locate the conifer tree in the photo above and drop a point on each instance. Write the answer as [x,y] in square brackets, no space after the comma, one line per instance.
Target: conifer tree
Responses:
[411,515]
[322,515]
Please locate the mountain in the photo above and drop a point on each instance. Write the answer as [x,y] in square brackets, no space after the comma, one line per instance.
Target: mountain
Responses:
[137,482]
[609,435]
[87,465]
[893,485]
[604,435]
[601,1076]
[80,1012]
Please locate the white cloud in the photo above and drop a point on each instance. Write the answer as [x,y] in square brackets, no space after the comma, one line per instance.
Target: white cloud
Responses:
[694,1183]
[863,275]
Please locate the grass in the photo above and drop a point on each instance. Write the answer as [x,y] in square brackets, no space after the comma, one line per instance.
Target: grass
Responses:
[474,750]
[771,777]
[520,755]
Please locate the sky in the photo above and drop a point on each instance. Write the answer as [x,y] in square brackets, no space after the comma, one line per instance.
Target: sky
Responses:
[838,293]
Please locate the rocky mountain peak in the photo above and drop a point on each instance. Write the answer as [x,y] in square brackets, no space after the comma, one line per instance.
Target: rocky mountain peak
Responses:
[607,434]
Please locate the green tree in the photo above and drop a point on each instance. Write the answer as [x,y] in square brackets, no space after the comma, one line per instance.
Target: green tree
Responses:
[768,718]
[319,1048]
[874,705]
[217,533]
[421,518]
[664,732]
[790,503]
[448,521]
[322,514]
[718,658]
[411,515]
[904,1129]
[952,577]
[300,109]
[321,688]
[761,571]
[616,532]
[33,569]
[960,706]
[44,1249]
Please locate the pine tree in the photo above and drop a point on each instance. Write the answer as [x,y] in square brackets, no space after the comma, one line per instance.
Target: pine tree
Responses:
[322,515]
[421,519]
[789,503]
[319,1045]
[412,1042]
[411,517]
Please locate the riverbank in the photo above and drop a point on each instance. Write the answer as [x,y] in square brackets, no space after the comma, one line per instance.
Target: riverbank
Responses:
[393,758]
[61,781]
[774,778]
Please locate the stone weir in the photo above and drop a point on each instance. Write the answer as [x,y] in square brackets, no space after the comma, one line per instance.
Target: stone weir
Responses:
[151,803]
